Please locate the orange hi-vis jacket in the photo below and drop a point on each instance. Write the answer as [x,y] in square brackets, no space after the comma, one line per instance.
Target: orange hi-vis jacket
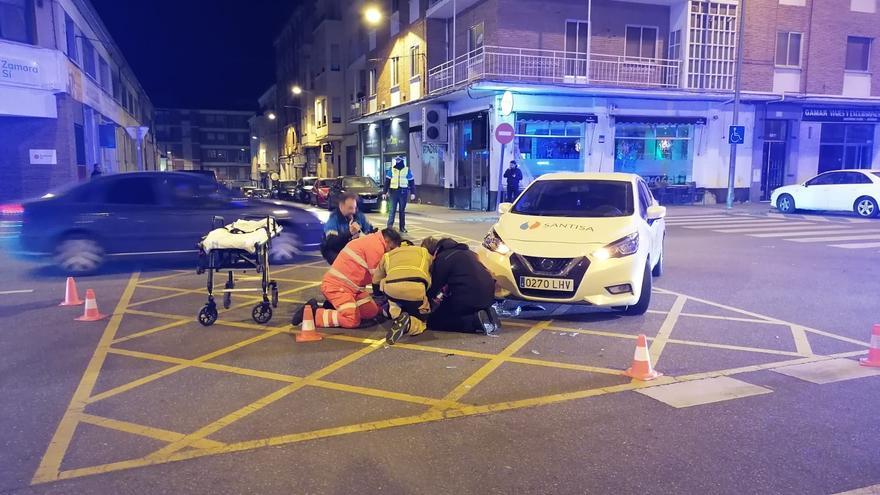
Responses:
[356,264]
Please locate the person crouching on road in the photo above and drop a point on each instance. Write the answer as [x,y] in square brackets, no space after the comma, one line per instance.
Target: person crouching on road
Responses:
[344,284]
[467,288]
[345,223]
[404,277]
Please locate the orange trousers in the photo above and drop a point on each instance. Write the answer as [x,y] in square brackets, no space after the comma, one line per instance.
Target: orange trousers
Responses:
[351,307]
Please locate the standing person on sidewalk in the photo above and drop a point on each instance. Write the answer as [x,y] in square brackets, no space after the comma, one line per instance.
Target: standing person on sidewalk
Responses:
[513,175]
[401,186]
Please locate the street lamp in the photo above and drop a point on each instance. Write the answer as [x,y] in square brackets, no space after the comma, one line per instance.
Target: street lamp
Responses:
[296,90]
[372,15]
[271,115]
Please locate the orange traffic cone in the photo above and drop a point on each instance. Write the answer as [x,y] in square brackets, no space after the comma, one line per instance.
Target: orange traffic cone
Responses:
[307,331]
[91,311]
[873,358]
[641,368]
[71,296]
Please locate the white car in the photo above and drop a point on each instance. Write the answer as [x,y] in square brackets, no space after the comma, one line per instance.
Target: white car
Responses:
[839,190]
[579,238]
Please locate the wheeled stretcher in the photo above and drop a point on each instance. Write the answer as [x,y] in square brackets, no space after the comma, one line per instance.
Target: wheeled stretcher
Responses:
[242,245]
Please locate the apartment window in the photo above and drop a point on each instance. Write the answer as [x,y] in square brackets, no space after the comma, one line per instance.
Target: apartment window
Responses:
[641,41]
[89,58]
[845,146]
[788,49]
[414,10]
[16,20]
[475,37]
[335,56]
[372,82]
[320,112]
[70,35]
[336,109]
[675,45]
[105,74]
[395,72]
[858,51]
[414,61]
[395,5]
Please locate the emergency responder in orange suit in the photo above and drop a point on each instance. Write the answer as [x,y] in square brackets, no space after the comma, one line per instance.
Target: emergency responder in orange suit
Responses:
[344,284]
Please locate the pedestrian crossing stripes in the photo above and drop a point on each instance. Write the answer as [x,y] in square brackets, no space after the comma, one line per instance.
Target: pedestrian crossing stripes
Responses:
[798,229]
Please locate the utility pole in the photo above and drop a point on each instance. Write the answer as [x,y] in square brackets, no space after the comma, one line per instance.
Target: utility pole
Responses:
[731,173]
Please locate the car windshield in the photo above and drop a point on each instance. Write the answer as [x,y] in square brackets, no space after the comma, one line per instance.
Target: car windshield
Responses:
[577,198]
[358,182]
[309,181]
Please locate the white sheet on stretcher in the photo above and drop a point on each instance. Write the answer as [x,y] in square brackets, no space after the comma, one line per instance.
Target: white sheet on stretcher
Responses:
[248,235]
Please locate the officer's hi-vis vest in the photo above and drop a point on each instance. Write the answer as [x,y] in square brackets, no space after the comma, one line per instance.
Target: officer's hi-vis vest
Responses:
[407,273]
[398,178]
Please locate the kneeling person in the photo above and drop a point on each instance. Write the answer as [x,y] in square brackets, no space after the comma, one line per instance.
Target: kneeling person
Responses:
[404,277]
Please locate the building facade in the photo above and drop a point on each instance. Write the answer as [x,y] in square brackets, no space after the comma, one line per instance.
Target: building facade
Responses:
[643,86]
[68,99]
[215,140]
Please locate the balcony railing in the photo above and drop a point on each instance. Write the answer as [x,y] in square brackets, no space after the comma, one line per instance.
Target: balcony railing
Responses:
[548,66]
[363,106]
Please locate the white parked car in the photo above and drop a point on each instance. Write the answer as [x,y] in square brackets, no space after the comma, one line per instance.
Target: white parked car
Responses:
[838,190]
[579,238]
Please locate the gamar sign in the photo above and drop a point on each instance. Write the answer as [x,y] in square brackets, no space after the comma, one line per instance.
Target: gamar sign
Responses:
[812,114]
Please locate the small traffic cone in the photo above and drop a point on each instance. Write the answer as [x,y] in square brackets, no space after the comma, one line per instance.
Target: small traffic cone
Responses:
[641,368]
[307,331]
[873,358]
[91,311]
[71,295]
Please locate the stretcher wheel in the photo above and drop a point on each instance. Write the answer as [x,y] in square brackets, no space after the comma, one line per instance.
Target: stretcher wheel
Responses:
[262,313]
[208,315]
[274,295]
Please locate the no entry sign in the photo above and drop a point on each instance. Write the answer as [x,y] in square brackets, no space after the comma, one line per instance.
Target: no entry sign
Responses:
[504,133]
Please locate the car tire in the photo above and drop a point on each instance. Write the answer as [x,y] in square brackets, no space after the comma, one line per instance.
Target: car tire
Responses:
[79,255]
[641,307]
[785,204]
[657,271]
[866,207]
[284,248]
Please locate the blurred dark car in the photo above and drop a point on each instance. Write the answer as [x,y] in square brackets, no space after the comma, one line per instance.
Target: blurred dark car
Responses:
[365,187]
[204,173]
[144,214]
[304,187]
[321,193]
[286,190]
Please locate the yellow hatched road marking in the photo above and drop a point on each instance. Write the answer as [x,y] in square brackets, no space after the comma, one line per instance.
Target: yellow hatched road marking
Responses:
[801,341]
[144,431]
[659,342]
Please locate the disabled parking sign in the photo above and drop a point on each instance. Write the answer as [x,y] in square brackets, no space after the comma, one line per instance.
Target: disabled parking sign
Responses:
[736,134]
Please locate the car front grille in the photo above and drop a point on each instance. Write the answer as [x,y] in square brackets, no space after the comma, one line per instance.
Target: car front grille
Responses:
[536,266]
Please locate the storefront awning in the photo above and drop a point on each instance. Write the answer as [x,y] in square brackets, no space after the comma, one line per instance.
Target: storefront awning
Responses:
[587,118]
[658,119]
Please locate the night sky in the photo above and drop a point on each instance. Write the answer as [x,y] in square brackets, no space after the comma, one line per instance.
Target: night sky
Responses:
[199,53]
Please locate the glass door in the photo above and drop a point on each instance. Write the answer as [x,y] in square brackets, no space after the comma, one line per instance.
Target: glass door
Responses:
[576,50]
[480,180]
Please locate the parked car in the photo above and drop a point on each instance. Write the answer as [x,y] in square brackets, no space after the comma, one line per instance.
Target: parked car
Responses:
[579,238]
[304,188]
[148,214]
[840,190]
[286,190]
[365,187]
[321,193]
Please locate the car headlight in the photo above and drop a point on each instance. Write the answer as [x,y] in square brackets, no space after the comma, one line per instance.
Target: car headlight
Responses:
[493,243]
[620,248]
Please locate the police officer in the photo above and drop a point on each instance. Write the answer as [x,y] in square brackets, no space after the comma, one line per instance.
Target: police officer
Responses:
[400,186]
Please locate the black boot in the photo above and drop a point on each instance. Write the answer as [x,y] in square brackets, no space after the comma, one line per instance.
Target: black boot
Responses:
[399,328]
[298,316]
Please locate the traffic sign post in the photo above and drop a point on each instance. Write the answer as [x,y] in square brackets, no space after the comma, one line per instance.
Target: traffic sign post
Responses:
[504,134]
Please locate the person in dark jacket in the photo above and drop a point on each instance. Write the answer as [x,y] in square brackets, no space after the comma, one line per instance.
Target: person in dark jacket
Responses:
[345,223]
[464,287]
[513,175]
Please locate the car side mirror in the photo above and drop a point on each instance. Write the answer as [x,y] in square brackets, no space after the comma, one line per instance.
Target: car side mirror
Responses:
[656,212]
[504,208]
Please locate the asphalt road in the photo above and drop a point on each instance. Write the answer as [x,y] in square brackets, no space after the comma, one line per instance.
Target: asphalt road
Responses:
[757,325]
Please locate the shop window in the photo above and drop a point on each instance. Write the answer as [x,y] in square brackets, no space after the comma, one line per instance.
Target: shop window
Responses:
[845,146]
[641,41]
[858,52]
[549,146]
[657,152]
[788,49]
[16,20]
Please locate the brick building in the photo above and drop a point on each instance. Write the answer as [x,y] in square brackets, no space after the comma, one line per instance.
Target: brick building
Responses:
[640,86]
[68,99]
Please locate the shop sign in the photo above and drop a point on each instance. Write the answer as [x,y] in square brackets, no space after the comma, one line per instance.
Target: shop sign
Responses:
[827,114]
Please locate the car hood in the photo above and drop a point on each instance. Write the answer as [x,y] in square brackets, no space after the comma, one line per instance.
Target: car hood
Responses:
[787,189]
[362,190]
[561,236]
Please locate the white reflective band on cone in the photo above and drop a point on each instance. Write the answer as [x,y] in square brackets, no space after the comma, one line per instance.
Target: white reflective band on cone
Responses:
[91,304]
[642,354]
[308,326]
[875,341]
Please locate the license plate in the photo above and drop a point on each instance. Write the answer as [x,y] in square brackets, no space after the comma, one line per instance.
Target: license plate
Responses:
[369,201]
[558,284]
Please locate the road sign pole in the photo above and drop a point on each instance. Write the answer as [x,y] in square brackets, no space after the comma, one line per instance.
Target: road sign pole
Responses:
[731,172]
